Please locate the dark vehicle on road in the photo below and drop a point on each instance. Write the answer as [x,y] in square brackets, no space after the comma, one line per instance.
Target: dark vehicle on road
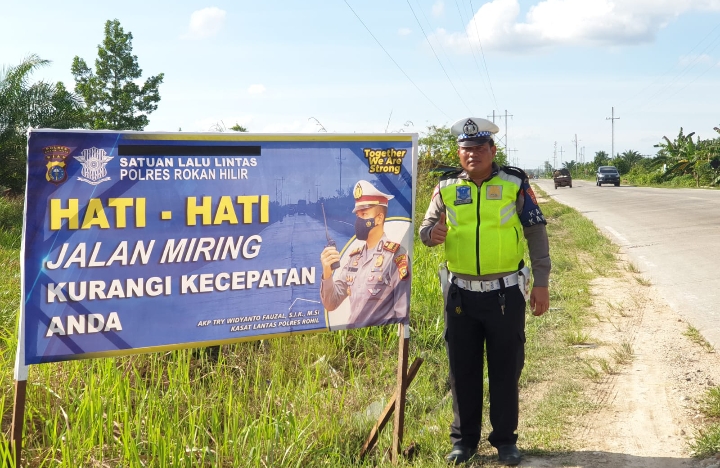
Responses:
[562,178]
[607,175]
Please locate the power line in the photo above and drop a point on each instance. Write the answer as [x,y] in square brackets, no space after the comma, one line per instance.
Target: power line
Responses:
[438,58]
[393,60]
[444,53]
[682,72]
[472,50]
[483,55]
[448,60]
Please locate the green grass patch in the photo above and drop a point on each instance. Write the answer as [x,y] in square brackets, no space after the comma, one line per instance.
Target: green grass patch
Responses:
[707,442]
[298,401]
[696,337]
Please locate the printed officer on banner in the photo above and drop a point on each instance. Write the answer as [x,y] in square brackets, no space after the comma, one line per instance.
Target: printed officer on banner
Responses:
[376,276]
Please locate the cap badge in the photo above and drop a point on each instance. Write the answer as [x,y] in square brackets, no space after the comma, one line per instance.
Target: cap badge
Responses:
[470,129]
[358,191]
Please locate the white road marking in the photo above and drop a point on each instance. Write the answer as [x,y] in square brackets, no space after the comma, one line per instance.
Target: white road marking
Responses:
[618,235]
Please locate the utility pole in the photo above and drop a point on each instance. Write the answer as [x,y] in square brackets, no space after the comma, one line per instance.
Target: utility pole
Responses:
[340,159]
[576,148]
[505,138]
[493,116]
[282,182]
[561,153]
[317,193]
[515,159]
[612,119]
[555,156]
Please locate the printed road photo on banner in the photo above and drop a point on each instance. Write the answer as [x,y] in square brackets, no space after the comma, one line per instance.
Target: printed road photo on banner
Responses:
[138,242]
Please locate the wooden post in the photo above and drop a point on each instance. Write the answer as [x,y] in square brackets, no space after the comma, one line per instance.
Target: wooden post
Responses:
[18,418]
[404,340]
[388,411]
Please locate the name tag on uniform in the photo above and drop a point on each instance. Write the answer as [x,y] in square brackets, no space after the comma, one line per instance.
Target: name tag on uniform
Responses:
[494,192]
[463,195]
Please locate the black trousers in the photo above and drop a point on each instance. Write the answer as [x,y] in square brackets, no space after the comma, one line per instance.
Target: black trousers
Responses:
[474,319]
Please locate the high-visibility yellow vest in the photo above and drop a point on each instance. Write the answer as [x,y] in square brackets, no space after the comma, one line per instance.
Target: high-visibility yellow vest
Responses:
[484,231]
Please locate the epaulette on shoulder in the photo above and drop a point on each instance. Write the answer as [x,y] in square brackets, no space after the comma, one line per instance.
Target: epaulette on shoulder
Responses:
[391,246]
[450,172]
[356,251]
[516,171]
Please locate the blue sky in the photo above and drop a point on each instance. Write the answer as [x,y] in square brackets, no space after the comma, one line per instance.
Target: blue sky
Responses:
[556,66]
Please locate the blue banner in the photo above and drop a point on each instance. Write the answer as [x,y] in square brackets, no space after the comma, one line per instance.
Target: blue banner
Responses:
[137,242]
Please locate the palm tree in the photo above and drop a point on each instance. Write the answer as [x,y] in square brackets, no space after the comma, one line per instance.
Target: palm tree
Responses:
[631,157]
[685,156]
[570,165]
[24,105]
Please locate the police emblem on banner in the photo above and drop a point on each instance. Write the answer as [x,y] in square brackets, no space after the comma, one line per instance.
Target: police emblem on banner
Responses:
[494,192]
[463,195]
[55,156]
[93,161]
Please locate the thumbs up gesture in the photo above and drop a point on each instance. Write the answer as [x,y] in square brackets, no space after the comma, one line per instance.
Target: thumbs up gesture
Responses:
[439,231]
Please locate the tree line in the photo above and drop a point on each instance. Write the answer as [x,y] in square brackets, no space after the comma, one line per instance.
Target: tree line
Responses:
[683,161]
[108,97]
[687,160]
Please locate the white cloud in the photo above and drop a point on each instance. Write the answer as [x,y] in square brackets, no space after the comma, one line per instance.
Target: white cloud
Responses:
[404,31]
[497,26]
[206,23]
[256,89]
[438,8]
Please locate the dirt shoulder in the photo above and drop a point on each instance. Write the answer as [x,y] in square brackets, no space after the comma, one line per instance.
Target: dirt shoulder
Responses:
[647,406]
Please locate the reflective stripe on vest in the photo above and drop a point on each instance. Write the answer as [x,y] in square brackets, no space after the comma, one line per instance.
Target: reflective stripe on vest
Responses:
[484,232]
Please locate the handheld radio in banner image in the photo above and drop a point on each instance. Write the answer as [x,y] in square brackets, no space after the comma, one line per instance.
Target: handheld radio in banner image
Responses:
[331,243]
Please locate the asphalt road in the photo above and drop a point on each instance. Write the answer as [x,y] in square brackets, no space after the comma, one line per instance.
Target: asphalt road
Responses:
[671,235]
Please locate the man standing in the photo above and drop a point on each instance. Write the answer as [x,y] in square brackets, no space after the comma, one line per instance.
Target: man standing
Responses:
[478,213]
[377,275]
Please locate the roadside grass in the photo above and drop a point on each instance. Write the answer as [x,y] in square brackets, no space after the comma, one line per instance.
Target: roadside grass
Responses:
[643,281]
[623,353]
[299,401]
[696,337]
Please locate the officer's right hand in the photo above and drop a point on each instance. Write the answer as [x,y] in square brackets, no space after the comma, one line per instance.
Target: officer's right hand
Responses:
[329,256]
[439,231]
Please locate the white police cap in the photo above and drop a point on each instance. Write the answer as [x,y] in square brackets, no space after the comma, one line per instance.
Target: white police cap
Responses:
[366,196]
[473,131]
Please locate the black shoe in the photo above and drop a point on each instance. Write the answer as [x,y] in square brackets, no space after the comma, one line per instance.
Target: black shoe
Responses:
[509,455]
[459,454]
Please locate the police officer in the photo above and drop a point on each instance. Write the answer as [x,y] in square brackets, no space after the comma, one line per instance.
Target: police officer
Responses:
[478,213]
[376,276]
